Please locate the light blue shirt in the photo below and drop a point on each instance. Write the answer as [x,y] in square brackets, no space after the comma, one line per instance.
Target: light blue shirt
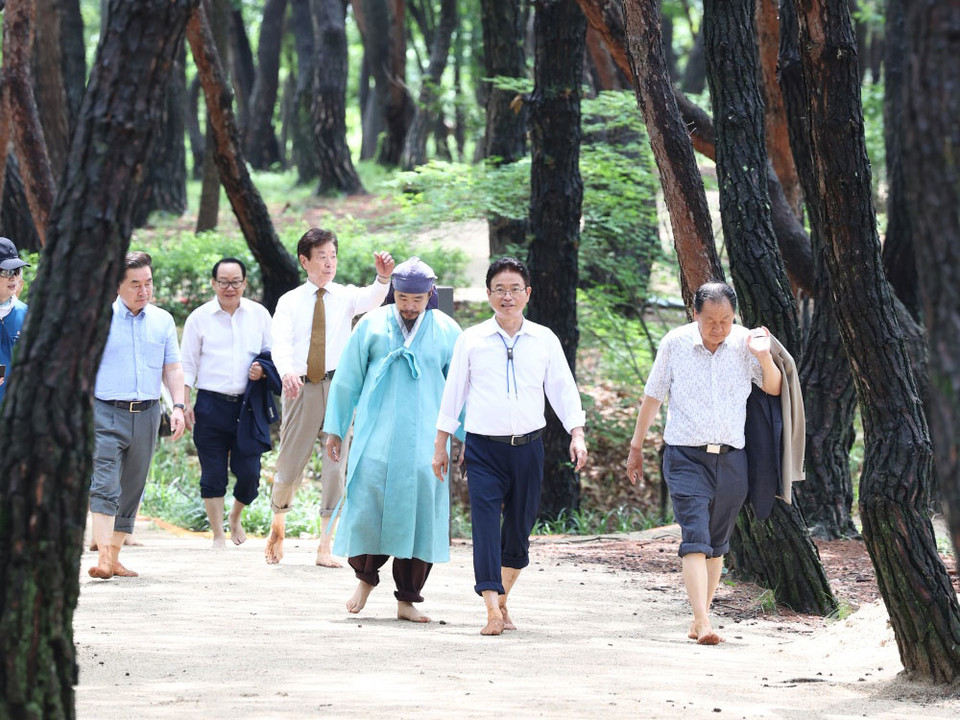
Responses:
[138,347]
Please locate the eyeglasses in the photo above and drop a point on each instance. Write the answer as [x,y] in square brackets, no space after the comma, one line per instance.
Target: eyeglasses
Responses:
[513,292]
[235,284]
[10,273]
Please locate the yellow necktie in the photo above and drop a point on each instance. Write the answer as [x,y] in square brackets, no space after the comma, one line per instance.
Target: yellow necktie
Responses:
[316,357]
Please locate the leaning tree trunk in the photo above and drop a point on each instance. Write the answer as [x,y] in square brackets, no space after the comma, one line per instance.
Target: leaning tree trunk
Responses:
[208,212]
[243,70]
[301,118]
[931,171]
[415,147]
[830,403]
[897,459]
[778,552]
[15,219]
[277,266]
[506,119]
[46,428]
[19,103]
[556,194]
[262,150]
[334,165]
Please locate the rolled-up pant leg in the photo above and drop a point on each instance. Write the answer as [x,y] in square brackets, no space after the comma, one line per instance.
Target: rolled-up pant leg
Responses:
[367,567]
[410,575]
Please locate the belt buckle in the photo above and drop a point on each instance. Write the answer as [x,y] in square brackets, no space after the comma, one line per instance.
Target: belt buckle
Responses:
[132,403]
[513,440]
[714,449]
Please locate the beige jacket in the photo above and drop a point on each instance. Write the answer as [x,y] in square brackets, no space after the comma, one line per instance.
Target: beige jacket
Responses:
[794,439]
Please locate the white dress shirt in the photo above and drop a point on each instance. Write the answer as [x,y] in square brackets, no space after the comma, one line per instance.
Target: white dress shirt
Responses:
[504,398]
[708,391]
[293,322]
[217,348]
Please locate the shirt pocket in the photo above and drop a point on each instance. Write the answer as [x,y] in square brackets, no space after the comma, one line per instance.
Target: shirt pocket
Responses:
[154,353]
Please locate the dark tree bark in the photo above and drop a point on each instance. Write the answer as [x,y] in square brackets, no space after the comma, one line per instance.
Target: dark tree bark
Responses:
[59,73]
[830,403]
[46,429]
[278,268]
[301,120]
[15,219]
[209,211]
[679,174]
[415,147]
[262,149]
[778,552]
[899,257]
[19,103]
[198,142]
[506,119]
[695,71]
[931,174]
[243,71]
[334,165]
[556,194]
[397,105]
[913,581]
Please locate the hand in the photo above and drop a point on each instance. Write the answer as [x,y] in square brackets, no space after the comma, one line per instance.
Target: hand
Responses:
[177,424]
[384,263]
[635,465]
[291,385]
[759,342]
[189,418]
[441,461]
[256,372]
[333,446]
[578,451]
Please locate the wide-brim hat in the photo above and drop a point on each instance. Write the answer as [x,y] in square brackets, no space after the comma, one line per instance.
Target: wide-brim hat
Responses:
[9,257]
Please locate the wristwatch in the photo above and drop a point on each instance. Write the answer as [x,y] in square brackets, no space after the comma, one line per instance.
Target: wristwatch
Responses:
[179,405]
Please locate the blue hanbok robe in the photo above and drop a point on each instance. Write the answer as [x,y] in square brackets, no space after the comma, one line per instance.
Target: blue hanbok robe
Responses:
[393,504]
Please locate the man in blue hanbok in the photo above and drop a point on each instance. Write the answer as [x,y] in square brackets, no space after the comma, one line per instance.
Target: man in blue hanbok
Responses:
[392,373]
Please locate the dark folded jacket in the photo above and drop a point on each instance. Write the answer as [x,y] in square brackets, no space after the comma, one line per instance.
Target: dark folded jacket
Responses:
[259,411]
[763,431]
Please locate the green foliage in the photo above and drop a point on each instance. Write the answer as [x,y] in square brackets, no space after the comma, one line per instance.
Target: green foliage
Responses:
[29,274]
[596,522]
[871,96]
[767,601]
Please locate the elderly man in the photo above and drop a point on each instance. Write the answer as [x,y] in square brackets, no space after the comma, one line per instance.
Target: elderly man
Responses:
[311,326]
[706,367]
[222,340]
[12,311]
[501,370]
[392,373]
[141,351]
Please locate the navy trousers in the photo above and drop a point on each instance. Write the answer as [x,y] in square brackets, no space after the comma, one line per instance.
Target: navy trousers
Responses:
[215,435]
[504,482]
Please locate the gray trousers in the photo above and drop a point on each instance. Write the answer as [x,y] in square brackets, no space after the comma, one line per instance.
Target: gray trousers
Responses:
[123,447]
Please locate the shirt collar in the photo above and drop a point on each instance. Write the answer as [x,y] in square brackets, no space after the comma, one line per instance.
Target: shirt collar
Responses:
[120,307]
[215,306]
[492,327]
[331,287]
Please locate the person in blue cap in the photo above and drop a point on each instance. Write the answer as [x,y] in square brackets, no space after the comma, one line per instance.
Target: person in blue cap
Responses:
[392,372]
[12,310]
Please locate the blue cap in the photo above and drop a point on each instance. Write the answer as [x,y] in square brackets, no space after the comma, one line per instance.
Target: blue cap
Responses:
[413,276]
[9,257]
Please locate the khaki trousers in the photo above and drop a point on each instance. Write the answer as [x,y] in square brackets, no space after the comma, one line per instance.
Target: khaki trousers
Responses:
[301,424]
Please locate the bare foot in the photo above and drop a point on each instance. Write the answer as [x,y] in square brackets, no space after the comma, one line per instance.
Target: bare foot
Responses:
[692,632]
[120,571]
[406,611]
[103,570]
[236,530]
[325,559]
[705,634]
[507,622]
[359,598]
[219,542]
[274,550]
[128,540]
[494,627]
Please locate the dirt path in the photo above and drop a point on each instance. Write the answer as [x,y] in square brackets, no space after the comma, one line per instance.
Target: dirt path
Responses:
[207,634]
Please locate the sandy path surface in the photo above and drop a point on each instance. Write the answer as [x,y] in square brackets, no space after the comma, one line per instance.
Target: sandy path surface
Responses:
[219,634]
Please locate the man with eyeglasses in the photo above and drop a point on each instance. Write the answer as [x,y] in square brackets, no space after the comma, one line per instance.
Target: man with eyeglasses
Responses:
[12,310]
[223,346]
[501,370]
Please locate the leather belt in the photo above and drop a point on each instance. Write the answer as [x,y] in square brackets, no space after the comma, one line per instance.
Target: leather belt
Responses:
[716,449]
[515,439]
[223,396]
[328,376]
[133,406]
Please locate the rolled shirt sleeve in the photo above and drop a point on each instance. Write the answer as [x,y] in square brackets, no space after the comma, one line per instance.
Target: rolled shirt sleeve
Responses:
[561,389]
[455,389]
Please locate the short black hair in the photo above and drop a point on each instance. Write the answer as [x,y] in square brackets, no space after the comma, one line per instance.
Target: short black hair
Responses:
[508,264]
[714,291]
[315,237]
[236,261]
[135,261]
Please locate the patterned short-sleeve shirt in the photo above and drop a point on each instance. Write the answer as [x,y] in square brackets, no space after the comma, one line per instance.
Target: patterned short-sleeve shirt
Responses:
[707,391]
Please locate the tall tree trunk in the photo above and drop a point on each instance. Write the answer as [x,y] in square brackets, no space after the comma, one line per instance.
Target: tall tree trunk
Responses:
[506,120]
[695,71]
[46,437]
[243,71]
[334,165]
[15,219]
[777,552]
[556,194]
[897,459]
[415,146]
[301,121]
[209,211]
[679,174]
[931,174]
[278,268]
[830,403]
[261,147]
[198,141]
[393,99]
[20,104]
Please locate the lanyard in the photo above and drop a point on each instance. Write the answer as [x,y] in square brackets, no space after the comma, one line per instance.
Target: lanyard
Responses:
[510,365]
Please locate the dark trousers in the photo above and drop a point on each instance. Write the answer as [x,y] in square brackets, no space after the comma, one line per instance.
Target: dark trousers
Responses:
[215,435]
[504,483]
[410,574]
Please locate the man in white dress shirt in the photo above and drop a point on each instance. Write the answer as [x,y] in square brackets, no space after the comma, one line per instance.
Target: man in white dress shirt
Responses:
[706,367]
[311,327]
[221,340]
[501,370]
